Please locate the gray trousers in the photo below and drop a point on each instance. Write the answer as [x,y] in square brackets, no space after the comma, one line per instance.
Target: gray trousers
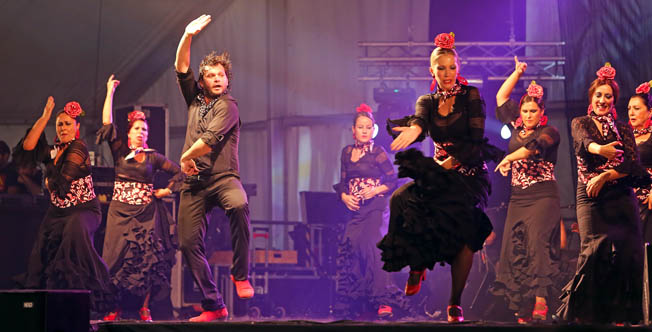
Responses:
[195,203]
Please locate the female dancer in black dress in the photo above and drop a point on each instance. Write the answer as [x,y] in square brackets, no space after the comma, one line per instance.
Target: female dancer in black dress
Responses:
[527,264]
[367,178]
[439,216]
[640,114]
[63,256]
[137,246]
[607,285]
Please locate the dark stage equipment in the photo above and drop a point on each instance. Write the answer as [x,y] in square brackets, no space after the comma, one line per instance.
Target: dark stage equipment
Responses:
[45,310]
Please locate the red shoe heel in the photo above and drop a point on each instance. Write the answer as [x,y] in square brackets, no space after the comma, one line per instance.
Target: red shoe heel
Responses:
[145,314]
[413,284]
[243,288]
[112,316]
[455,314]
[385,311]
[540,311]
[209,316]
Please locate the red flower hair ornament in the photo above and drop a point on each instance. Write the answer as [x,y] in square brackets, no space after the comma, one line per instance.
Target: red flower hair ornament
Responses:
[607,72]
[136,115]
[445,40]
[535,90]
[363,108]
[644,87]
[73,109]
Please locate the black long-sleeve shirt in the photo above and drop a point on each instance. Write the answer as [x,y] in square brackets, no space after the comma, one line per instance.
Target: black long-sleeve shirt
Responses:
[219,128]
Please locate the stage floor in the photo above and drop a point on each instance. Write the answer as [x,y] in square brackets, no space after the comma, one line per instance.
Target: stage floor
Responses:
[304,325]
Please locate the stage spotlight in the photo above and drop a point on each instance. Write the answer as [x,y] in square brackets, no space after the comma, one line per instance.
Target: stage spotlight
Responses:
[505,133]
[375,131]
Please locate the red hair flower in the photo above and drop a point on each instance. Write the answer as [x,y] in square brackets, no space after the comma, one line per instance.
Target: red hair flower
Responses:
[363,108]
[445,40]
[607,72]
[73,109]
[136,115]
[462,80]
[644,87]
[535,90]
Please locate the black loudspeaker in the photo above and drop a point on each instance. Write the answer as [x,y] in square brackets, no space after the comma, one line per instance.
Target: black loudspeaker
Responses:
[45,310]
[157,119]
[323,208]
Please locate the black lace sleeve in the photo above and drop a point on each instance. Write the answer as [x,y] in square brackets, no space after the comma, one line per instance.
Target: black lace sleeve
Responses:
[73,164]
[170,167]
[109,134]
[547,138]
[343,186]
[474,149]
[389,175]
[507,112]
[581,135]
[423,107]
[630,151]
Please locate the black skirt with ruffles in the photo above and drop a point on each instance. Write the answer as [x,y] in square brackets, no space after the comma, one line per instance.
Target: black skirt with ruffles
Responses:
[436,215]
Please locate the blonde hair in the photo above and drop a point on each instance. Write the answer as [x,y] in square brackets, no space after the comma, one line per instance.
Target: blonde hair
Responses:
[438,52]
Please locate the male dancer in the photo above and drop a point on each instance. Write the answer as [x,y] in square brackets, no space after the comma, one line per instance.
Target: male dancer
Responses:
[210,159]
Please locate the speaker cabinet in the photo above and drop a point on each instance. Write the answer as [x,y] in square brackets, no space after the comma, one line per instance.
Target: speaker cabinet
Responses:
[45,310]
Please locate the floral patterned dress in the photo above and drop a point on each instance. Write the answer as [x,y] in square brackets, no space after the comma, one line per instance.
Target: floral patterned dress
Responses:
[529,256]
[63,256]
[607,286]
[138,245]
[362,285]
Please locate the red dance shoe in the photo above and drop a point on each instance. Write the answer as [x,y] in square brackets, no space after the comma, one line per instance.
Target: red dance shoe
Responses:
[209,316]
[243,288]
[145,314]
[112,316]
[385,311]
[540,311]
[455,314]
[413,284]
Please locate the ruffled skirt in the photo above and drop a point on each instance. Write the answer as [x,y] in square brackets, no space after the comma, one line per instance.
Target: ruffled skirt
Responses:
[435,216]
[607,286]
[64,256]
[530,252]
[138,248]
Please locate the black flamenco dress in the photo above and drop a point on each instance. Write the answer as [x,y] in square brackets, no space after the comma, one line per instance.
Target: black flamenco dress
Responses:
[642,193]
[441,211]
[138,245]
[63,256]
[362,285]
[529,256]
[607,286]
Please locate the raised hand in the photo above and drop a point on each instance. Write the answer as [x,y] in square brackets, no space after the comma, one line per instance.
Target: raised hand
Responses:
[111,84]
[49,106]
[406,137]
[519,66]
[197,25]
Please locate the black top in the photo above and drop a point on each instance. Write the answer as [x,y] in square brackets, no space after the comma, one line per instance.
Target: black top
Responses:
[645,151]
[133,171]
[544,140]
[219,128]
[73,164]
[374,164]
[463,126]
[585,132]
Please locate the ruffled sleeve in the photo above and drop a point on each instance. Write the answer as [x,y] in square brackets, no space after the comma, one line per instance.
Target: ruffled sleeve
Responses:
[40,153]
[474,149]
[507,112]
[109,134]
[423,107]
[168,166]
[343,186]
[547,138]
[389,175]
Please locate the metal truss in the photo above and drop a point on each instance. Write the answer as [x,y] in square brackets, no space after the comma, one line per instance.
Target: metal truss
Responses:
[480,61]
